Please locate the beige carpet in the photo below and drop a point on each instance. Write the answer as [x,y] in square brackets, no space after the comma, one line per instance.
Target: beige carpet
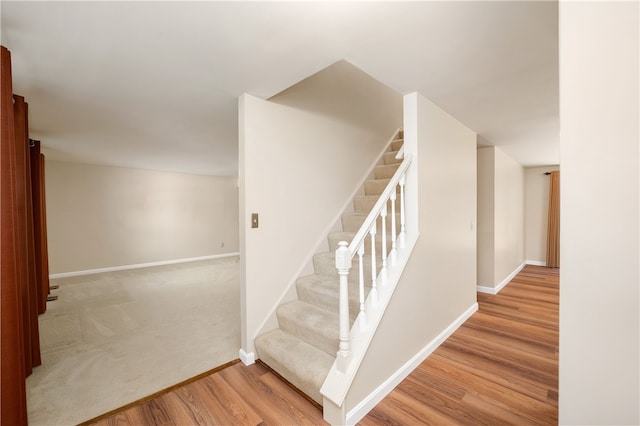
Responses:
[116,337]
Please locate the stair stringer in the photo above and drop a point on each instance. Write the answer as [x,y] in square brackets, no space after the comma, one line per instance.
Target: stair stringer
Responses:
[337,384]
[322,245]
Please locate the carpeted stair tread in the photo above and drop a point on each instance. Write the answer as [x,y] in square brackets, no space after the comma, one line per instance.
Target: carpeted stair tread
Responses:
[397,144]
[323,291]
[325,264]
[339,236]
[377,186]
[314,325]
[302,364]
[385,171]
[351,222]
[364,203]
[390,157]
[336,237]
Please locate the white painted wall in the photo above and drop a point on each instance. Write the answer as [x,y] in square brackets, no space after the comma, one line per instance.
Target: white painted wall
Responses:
[600,213]
[439,282]
[536,212]
[101,216]
[508,216]
[302,155]
[486,207]
[500,217]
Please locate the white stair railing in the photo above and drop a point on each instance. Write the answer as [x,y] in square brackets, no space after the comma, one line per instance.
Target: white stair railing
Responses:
[346,251]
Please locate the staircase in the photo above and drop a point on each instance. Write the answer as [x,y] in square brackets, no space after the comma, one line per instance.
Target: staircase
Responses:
[303,348]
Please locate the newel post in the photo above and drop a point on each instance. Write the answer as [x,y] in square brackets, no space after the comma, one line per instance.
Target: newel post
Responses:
[343,264]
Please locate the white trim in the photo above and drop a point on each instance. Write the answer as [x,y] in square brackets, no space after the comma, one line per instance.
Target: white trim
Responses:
[536,262]
[367,404]
[247,358]
[496,289]
[140,265]
[484,289]
[510,277]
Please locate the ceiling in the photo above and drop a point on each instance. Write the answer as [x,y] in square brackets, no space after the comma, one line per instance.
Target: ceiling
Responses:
[154,85]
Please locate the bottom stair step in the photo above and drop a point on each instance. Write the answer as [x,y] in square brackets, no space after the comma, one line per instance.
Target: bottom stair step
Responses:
[303,365]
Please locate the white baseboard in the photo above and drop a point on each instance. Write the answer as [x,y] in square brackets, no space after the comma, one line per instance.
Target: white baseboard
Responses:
[496,289]
[536,262]
[358,412]
[247,358]
[483,289]
[140,265]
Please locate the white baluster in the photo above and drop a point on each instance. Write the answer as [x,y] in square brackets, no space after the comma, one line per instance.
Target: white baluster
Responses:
[343,264]
[394,236]
[363,315]
[374,269]
[384,273]
[402,238]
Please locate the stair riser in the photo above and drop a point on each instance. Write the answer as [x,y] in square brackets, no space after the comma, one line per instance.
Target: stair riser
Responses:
[390,158]
[377,186]
[397,144]
[327,342]
[364,204]
[323,266]
[283,353]
[290,376]
[352,222]
[326,297]
[385,172]
[332,304]
[333,244]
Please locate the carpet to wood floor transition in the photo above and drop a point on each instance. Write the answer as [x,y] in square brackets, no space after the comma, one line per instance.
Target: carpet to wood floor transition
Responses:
[499,367]
[116,337]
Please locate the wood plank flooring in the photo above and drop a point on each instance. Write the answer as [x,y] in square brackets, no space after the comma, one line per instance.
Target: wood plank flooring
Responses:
[499,367]
[236,395]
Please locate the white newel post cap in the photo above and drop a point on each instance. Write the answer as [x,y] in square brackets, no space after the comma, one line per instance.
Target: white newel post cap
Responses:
[343,257]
